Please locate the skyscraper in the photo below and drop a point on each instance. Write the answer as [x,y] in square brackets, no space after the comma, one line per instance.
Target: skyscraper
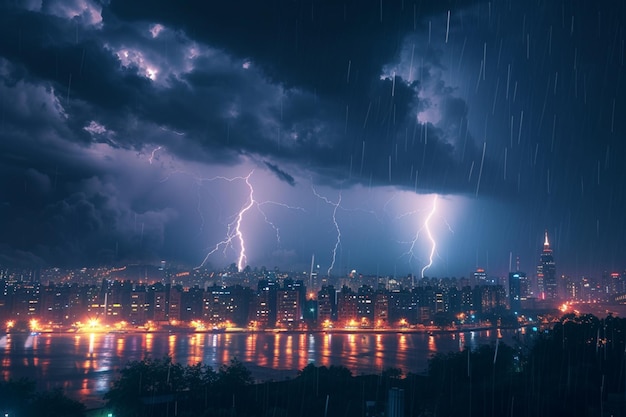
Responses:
[518,289]
[480,277]
[546,273]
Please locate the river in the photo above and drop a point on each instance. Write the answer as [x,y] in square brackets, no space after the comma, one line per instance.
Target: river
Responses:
[85,365]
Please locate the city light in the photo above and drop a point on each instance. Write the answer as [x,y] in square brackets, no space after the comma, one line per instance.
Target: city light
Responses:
[34,325]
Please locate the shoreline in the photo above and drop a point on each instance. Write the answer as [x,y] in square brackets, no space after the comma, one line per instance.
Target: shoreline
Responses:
[179,330]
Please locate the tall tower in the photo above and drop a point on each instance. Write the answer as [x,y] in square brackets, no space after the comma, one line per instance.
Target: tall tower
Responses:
[518,288]
[546,273]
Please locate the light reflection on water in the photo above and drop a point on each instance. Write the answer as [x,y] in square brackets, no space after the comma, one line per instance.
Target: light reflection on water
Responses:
[85,365]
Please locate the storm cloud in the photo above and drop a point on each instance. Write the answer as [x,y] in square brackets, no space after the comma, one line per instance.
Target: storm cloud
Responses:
[129,129]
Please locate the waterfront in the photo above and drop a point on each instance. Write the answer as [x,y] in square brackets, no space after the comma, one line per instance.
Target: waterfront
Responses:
[86,364]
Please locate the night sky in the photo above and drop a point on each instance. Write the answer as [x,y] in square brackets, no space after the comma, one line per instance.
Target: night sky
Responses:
[359,132]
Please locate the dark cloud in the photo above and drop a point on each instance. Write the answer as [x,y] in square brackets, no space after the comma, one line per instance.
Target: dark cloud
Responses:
[223,110]
[308,44]
[511,103]
[282,175]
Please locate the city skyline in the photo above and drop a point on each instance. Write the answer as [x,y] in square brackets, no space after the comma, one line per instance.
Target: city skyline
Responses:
[392,138]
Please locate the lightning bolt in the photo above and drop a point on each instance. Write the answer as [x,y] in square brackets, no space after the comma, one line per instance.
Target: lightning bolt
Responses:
[433,247]
[426,228]
[234,229]
[173,131]
[234,234]
[268,221]
[338,241]
[154,151]
[242,252]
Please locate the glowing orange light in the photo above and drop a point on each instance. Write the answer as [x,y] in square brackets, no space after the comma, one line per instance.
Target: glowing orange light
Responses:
[197,325]
[34,325]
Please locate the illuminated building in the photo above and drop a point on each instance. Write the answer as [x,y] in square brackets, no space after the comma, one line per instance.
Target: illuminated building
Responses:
[288,308]
[467,300]
[5,299]
[138,308]
[346,305]
[191,303]
[402,306]
[479,277]
[94,299]
[440,305]
[174,305]
[309,312]
[492,298]
[239,307]
[263,304]
[518,289]
[546,273]
[612,283]
[381,307]
[158,302]
[217,303]
[53,300]
[26,300]
[314,275]
[365,303]
[423,315]
[573,291]
[453,299]
[118,300]
[326,304]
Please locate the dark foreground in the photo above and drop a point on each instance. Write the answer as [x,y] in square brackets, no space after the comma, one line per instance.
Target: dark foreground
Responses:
[576,369]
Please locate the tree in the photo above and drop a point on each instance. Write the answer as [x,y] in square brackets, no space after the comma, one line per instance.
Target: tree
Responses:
[19,398]
[234,375]
[199,381]
[392,373]
[15,395]
[55,404]
[146,384]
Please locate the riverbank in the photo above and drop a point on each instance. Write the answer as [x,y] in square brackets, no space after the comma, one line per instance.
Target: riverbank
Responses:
[241,330]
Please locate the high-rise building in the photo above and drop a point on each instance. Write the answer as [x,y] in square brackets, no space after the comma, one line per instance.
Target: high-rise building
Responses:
[347,306]
[518,289]
[327,304]
[546,273]
[479,277]
[288,307]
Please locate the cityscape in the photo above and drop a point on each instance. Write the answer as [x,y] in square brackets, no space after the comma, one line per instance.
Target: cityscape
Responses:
[158,297]
[373,208]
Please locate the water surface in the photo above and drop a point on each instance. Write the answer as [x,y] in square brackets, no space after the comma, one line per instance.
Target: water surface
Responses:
[86,365]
